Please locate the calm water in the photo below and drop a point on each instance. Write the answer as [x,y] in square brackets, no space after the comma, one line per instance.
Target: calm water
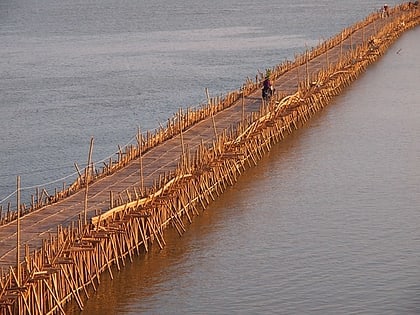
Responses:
[327,223]
[70,70]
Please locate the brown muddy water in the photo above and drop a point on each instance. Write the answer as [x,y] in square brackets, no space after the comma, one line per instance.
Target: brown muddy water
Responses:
[327,223]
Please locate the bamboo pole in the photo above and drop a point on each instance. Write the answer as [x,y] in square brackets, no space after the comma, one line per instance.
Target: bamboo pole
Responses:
[140,145]
[18,232]
[87,181]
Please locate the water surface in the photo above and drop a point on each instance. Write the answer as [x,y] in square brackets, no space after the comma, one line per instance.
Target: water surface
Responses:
[327,223]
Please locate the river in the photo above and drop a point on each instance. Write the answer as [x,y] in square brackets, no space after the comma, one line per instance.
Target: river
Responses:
[326,223]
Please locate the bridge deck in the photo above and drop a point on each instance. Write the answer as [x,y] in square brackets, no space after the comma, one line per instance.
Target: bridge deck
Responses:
[163,158]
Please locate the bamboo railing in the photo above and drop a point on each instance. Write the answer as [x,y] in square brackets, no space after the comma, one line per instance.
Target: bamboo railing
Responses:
[69,264]
[180,121]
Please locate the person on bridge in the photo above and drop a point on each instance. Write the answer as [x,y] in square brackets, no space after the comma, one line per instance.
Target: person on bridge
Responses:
[267,89]
[385,11]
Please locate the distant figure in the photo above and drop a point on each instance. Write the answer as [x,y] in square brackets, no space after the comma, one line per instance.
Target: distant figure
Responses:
[385,11]
[267,89]
[267,83]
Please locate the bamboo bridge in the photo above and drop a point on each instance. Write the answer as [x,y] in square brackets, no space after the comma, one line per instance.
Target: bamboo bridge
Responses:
[56,249]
